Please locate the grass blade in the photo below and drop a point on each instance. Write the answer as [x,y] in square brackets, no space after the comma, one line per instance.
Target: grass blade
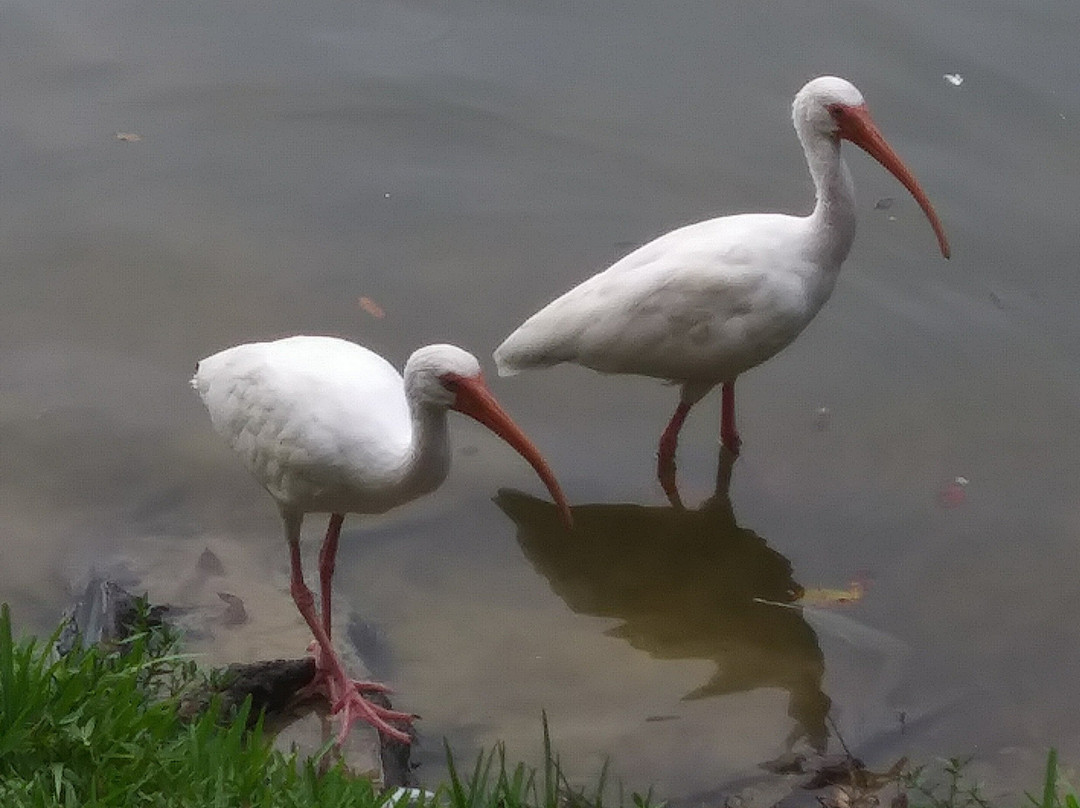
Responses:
[1049,798]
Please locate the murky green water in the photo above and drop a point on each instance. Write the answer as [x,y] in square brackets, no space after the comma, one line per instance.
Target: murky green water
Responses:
[460,165]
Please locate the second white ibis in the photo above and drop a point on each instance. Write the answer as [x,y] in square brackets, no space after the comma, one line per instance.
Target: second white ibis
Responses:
[704,303]
[330,427]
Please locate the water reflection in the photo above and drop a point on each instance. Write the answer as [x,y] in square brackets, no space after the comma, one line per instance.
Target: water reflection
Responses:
[685,584]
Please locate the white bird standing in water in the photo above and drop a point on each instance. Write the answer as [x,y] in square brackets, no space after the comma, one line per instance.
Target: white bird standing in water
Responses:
[704,303]
[330,427]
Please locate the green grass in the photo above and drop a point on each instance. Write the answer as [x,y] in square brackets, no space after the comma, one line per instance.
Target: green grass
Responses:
[1055,793]
[946,786]
[102,727]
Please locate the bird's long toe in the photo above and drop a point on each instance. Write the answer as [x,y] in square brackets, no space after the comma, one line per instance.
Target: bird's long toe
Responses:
[353,707]
[366,686]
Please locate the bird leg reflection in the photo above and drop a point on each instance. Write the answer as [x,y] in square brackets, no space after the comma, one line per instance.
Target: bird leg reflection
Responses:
[725,463]
[665,455]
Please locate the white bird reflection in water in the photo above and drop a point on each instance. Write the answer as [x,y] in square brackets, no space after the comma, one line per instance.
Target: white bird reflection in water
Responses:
[686,584]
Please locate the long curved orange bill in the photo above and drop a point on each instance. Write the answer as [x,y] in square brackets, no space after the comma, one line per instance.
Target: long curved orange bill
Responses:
[857,126]
[475,400]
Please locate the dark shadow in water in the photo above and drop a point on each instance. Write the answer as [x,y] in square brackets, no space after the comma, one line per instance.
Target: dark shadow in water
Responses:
[685,584]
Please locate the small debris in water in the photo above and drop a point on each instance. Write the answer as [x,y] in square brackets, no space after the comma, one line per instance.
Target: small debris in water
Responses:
[655,718]
[371,307]
[851,773]
[235,613]
[955,79]
[402,797]
[386,195]
[835,770]
[822,419]
[954,494]
[128,137]
[209,563]
[787,763]
[884,203]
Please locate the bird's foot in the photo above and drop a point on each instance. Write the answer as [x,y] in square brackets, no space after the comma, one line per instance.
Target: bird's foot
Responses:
[368,686]
[320,686]
[345,696]
[348,706]
[324,670]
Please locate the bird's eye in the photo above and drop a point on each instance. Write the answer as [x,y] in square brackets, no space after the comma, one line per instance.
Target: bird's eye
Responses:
[839,112]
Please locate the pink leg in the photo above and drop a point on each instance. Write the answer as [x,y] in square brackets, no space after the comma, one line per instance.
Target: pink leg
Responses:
[665,456]
[343,692]
[728,434]
[327,563]
[327,560]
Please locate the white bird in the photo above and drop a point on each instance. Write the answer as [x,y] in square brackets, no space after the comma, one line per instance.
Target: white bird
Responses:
[330,427]
[704,303]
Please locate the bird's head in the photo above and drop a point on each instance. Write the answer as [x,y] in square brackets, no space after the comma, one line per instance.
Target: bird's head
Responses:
[834,108]
[433,372]
[820,105]
[447,377]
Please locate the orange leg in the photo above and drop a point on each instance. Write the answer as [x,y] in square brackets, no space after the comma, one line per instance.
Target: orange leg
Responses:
[728,434]
[327,562]
[343,693]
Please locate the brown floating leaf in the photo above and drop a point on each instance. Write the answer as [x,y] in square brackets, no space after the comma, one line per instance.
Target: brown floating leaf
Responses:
[128,137]
[834,597]
[372,308]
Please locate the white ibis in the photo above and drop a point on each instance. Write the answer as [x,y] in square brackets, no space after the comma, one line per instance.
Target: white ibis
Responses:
[704,303]
[330,427]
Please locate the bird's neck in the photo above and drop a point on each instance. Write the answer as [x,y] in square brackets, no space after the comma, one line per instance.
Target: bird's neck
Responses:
[832,223]
[428,461]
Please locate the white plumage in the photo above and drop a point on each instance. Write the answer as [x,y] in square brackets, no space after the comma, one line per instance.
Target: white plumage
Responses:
[702,304]
[289,408]
[328,426]
[641,317]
